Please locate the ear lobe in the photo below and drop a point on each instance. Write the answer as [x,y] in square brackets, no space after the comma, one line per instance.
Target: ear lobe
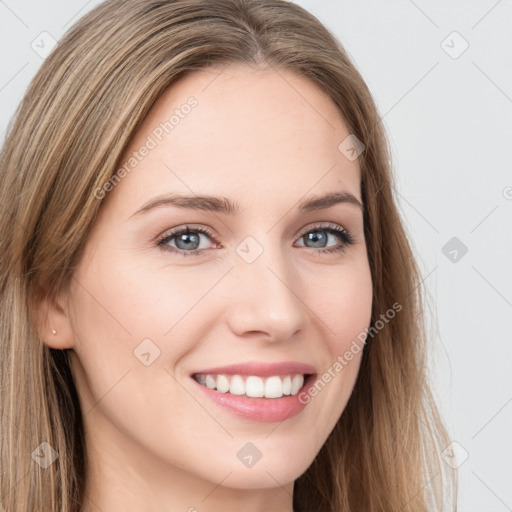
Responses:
[54,324]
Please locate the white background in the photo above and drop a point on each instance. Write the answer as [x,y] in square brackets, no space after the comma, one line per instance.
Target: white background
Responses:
[448,117]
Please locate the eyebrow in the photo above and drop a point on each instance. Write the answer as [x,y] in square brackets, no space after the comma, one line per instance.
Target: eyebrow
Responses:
[224,205]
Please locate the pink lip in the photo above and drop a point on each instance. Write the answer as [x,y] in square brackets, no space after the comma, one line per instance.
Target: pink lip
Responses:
[260,369]
[263,410]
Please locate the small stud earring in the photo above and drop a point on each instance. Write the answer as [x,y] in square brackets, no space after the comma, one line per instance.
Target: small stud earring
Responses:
[54,331]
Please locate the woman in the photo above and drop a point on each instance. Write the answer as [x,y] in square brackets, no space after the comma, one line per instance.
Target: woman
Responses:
[280,365]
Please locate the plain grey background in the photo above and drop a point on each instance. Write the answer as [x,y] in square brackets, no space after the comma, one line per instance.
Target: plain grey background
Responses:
[441,75]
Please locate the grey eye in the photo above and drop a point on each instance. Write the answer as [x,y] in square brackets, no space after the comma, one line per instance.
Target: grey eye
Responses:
[318,239]
[187,241]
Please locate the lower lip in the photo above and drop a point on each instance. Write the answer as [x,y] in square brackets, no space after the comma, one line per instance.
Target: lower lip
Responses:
[264,410]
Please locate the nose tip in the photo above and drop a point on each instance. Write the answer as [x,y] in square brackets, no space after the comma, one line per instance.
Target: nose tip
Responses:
[265,302]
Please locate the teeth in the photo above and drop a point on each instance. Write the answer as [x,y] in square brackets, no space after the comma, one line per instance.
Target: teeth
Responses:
[287,385]
[273,387]
[222,384]
[297,382]
[253,386]
[237,385]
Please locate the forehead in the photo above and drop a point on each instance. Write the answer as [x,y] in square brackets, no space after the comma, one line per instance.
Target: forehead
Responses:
[254,134]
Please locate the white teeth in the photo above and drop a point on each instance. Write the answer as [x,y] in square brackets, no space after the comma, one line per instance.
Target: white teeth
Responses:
[237,385]
[297,382]
[210,382]
[273,387]
[253,386]
[222,384]
[287,385]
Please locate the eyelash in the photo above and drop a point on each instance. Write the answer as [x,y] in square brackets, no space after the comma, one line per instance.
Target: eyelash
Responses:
[346,239]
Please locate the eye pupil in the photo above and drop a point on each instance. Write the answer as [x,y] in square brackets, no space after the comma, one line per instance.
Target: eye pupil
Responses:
[187,239]
[318,238]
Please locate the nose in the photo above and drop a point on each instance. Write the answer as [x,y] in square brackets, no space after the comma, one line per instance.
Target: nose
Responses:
[265,298]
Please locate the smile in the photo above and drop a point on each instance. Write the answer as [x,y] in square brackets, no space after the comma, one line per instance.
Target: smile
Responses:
[274,386]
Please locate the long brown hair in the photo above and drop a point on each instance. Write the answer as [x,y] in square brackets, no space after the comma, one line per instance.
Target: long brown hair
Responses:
[79,114]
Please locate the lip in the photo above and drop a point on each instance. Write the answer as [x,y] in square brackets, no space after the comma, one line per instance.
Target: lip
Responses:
[263,410]
[260,369]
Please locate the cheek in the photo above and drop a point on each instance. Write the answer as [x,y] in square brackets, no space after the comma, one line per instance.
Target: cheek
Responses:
[120,314]
[343,302]
[123,310]
[129,299]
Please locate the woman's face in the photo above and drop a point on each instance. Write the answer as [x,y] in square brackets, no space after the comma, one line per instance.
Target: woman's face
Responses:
[148,309]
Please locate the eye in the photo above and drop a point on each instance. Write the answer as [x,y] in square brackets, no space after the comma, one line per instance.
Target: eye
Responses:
[186,241]
[319,236]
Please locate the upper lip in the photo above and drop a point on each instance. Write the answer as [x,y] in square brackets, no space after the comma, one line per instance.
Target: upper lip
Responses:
[260,369]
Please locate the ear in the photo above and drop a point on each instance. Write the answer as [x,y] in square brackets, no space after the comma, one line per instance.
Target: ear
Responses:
[54,323]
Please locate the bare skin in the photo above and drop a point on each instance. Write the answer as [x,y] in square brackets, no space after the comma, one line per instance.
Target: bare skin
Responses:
[266,141]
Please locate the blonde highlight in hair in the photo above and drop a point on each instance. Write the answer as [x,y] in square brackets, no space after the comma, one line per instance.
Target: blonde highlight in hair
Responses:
[79,114]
